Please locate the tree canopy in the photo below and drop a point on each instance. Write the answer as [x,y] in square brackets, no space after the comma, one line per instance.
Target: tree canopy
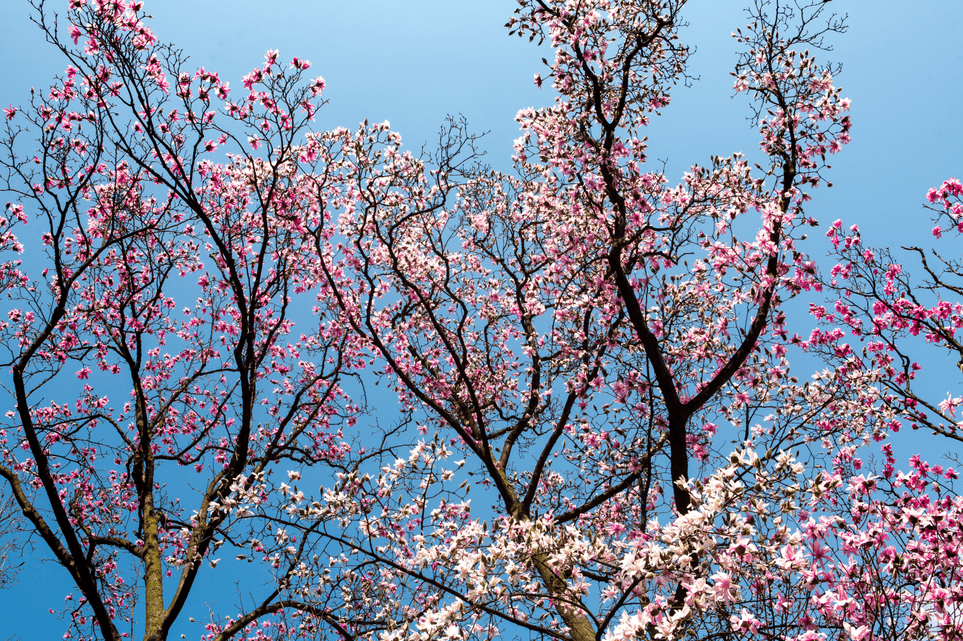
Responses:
[597,434]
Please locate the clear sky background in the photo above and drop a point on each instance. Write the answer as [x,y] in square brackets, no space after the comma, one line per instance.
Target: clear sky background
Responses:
[415,62]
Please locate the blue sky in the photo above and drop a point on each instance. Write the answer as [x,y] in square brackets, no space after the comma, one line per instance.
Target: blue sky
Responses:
[415,62]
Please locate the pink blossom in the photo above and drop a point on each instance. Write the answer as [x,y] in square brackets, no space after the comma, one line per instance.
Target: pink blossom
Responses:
[745,622]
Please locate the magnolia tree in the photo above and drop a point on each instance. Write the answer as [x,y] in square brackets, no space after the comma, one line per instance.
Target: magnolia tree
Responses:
[597,436]
[153,366]
[881,323]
